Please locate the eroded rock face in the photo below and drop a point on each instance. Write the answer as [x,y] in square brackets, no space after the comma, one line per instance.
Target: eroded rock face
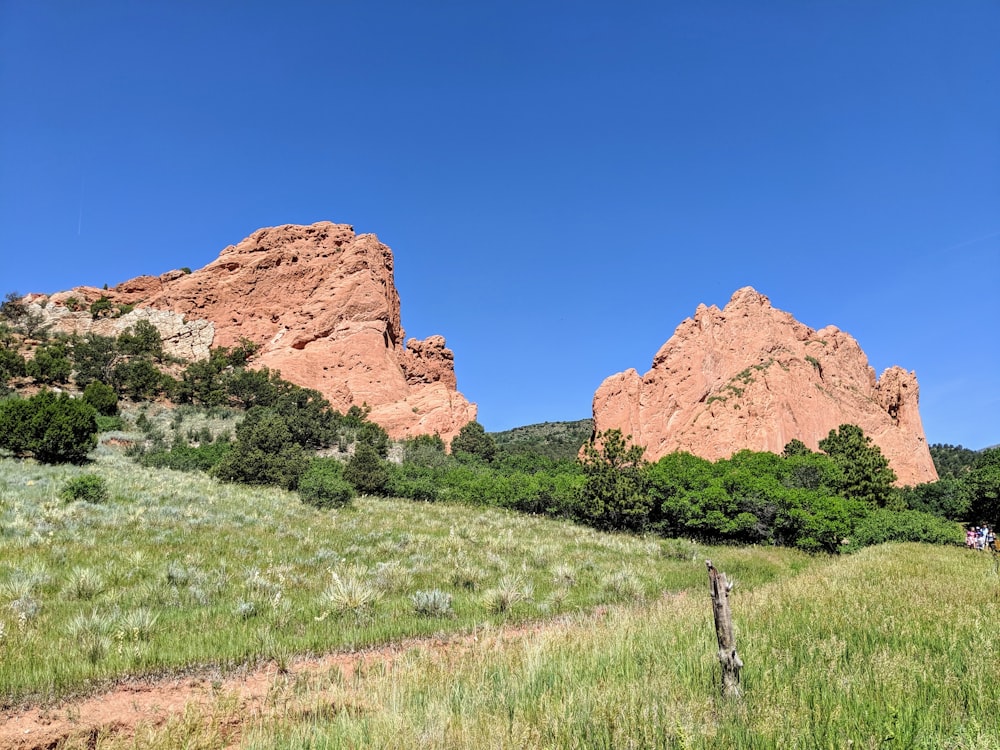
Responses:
[322,304]
[750,376]
[188,339]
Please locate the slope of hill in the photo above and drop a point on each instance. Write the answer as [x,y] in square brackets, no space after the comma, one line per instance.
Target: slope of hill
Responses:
[555,440]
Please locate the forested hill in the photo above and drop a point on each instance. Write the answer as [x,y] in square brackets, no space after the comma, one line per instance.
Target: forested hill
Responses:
[556,440]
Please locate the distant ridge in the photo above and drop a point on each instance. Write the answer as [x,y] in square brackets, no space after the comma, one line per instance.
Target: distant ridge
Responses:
[555,440]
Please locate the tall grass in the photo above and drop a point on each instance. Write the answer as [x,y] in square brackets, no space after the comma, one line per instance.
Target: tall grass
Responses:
[894,647]
[175,570]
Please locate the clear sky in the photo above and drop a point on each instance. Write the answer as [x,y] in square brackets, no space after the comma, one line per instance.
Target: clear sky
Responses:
[561,183]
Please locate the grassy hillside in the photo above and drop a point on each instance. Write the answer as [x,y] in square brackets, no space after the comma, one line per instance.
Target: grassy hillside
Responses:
[175,570]
[556,440]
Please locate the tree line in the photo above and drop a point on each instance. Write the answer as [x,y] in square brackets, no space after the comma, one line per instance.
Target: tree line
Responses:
[837,498]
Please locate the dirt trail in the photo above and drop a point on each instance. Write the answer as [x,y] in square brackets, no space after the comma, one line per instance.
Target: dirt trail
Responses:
[133,704]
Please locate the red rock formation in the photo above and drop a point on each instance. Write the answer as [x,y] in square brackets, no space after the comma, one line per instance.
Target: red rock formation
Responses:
[751,376]
[322,304]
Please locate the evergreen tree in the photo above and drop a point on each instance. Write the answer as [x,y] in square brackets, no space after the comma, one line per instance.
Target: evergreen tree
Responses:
[865,472]
[366,471]
[472,440]
[52,428]
[614,492]
[982,485]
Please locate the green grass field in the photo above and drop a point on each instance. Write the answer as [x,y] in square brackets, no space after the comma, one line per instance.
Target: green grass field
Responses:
[894,646]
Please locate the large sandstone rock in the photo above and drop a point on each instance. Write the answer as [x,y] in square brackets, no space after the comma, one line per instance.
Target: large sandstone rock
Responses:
[751,376]
[322,304]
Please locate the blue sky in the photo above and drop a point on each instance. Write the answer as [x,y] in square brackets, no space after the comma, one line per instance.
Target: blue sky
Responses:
[561,183]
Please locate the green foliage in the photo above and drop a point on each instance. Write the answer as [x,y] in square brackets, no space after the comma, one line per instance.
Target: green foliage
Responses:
[614,492]
[884,525]
[94,358]
[141,340]
[753,498]
[201,383]
[187,457]
[558,441]
[473,442]
[102,397]
[264,452]
[13,308]
[102,308]
[373,435]
[109,424]
[50,364]
[866,475]
[311,421]
[982,484]
[952,460]
[90,488]
[12,365]
[139,379]
[53,429]
[323,485]
[366,471]
[795,447]
[946,498]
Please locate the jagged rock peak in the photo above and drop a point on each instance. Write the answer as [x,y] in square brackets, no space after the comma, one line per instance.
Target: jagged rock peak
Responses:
[751,376]
[321,302]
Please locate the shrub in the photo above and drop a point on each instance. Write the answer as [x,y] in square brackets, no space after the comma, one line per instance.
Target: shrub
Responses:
[110,424]
[12,364]
[187,457]
[885,525]
[433,603]
[54,429]
[472,441]
[264,453]
[141,340]
[101,308]
[366,471]
[102,397]
[614,495]
[509,592]
[323,486]
[350,595]
[50,364]
[87,487]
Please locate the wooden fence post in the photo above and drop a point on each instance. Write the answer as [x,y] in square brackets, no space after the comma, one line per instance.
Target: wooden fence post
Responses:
[731,663]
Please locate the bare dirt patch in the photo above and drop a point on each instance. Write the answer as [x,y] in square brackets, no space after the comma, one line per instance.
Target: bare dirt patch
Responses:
[134,705]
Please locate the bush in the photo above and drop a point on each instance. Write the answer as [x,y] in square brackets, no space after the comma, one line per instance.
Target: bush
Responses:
[110,424]
[366,471]
[264,453]
[323,486]
[53,429]
[87,487]
[50,364]
[102,397]
[12,364]
[885,525]
[433,603]
[472,441]
[187,457]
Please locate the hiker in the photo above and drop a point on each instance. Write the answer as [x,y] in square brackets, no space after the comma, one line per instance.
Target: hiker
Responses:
[970,537]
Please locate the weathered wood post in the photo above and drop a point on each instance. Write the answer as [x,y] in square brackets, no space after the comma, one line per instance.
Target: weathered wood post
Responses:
[731,663]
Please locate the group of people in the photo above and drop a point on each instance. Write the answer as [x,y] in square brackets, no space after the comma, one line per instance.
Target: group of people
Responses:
[979,537]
